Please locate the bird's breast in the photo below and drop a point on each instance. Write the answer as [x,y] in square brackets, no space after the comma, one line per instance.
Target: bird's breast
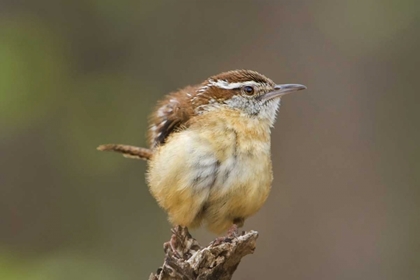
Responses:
[241,148]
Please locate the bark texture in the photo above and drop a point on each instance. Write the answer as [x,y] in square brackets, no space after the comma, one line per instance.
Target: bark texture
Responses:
[185,259]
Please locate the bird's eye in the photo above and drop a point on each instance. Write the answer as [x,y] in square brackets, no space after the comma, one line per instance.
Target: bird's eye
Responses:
[248,90]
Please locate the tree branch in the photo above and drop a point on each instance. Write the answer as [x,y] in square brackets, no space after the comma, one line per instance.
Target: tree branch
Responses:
[185,259]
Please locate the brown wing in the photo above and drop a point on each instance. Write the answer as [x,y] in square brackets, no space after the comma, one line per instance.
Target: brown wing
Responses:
[171,114]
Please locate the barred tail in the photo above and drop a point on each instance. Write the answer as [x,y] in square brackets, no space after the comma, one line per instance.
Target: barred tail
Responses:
[128,151]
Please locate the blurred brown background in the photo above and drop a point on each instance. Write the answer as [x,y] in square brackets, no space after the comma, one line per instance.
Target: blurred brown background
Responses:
[345,202]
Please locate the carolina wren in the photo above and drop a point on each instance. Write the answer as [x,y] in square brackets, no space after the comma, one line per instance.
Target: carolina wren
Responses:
[209,158]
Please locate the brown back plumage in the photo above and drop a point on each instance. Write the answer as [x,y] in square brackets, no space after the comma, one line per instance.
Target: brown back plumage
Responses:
[171,114]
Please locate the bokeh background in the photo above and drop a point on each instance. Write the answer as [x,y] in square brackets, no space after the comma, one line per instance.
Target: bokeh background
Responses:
[345,202]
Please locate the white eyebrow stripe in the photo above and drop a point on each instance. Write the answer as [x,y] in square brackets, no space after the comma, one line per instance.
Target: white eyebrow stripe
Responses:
[225,85]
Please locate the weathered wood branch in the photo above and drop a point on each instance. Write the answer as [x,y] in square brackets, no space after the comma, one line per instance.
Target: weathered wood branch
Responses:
[185,259]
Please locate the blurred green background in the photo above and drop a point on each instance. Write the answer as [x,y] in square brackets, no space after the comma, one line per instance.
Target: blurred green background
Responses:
[345,202]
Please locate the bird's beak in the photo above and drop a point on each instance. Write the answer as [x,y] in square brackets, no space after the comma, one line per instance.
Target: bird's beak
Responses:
[281,90]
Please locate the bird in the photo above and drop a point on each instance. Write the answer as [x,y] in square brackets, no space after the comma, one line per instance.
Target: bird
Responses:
[209,158]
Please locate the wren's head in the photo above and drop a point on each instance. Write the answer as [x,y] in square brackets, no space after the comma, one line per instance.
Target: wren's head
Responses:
[248,91]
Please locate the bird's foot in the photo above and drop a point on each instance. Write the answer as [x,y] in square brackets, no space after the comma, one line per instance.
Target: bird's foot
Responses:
[173,245]
[231,234]
[181,244]
[233,231]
